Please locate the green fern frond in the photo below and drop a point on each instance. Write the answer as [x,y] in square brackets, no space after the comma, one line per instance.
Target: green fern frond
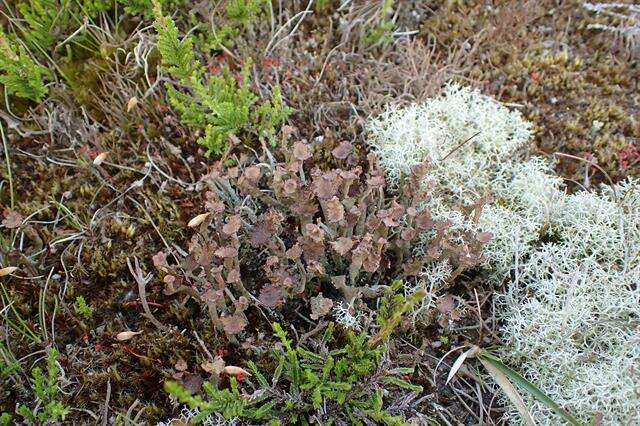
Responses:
[243,11]
[43,20]
[220,105]
[19,74]
[177,54]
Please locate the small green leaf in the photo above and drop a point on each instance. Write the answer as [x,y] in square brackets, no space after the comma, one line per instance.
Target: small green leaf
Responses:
[401,383]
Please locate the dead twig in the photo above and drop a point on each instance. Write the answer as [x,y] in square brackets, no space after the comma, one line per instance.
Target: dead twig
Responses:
[105,410]
[142,281]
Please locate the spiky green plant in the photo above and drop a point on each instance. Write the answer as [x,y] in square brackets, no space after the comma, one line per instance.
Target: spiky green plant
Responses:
[217,104]
[243,11]
[380,33]
[351,378]
[47,407]
[5,419]
[82,308]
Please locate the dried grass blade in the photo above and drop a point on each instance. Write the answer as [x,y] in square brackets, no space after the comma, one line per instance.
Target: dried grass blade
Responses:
[510,390]
[497,365]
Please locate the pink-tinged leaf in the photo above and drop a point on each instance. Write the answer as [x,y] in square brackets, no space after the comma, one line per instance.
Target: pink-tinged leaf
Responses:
[233,324]
[233,276]
[241,304]
[484,237]
[252,174]
[314,232]
[271,296]
[408,234]
[233,224]
[342,245]
[334,210]
[159,259]
[294,252]
[343,150]
[216,367]
[12,219]
[315,268]
[290,186]
[446,304]
[301,151]
[326,184]
[423,220]
[320,306]
[226,252]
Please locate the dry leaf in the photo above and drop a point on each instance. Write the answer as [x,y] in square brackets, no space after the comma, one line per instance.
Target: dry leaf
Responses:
[100,158]
[510,390]
[126,335]
[458,363]
[235,371]
[12,219]
[181,365]
[132,103]
[8,270]
[197,220]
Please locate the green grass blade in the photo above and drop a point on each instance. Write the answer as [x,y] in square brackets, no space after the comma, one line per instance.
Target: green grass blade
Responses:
[532,389]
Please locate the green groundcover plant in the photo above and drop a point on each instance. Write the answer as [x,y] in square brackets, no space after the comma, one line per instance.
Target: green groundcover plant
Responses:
[348,383]
[221,105]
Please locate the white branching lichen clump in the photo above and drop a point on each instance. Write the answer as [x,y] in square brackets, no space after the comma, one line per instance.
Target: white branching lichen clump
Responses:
[571,316]
[473,144]
[347,315]
[571,313]
[187,415]
[527,198]
[433,278]
[462,133]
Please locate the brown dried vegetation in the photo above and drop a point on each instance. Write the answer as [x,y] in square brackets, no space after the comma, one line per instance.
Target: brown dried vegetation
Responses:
[284,230]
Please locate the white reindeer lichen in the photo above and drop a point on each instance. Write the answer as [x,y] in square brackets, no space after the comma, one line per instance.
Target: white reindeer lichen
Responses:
[571,314]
